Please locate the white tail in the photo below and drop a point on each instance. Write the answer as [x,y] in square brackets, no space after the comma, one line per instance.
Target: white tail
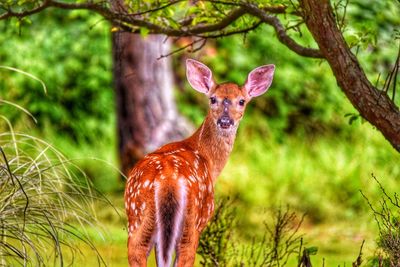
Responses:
[169,196]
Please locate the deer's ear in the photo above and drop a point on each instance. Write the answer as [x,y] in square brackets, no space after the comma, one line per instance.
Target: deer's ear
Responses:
[259,80]
[199,76]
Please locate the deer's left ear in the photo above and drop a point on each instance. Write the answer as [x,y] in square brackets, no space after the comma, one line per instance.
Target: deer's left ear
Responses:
[259,80]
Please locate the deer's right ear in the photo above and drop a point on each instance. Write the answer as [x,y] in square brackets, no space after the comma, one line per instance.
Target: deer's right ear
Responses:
[199,76]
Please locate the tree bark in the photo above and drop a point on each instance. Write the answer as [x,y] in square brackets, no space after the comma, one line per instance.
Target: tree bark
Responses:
[374,105]
[146,113]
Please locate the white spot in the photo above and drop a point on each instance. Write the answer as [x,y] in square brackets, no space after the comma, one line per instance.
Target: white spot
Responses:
[131,228]
[210,187]
[136,224]
[143,206]
[196,201]
[196,163]
[133,206]
[130,189]
[146,183]
[192,178]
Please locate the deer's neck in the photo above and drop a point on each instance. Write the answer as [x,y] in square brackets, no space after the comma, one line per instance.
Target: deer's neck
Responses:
[214,145]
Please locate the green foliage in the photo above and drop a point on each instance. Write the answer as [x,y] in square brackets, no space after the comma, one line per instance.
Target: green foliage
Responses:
[79,98]
[173,14]
[372,31]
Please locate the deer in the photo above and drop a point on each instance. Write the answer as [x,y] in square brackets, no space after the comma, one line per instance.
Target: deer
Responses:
[169,194]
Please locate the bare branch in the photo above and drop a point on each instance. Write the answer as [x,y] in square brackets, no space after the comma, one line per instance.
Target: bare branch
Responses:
[233,32]
[189,46]
[278,9]
[281,33]
[98,7]
[170,3]
[231,17]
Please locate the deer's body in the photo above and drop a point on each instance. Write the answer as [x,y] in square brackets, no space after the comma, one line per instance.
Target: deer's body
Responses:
[169,196]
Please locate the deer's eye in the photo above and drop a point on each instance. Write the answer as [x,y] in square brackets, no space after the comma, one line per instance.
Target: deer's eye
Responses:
[241,102]
[213,100]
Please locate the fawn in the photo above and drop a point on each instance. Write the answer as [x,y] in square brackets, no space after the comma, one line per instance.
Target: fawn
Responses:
[169,195]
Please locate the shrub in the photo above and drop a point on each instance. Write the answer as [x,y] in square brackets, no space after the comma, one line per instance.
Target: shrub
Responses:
[387,217]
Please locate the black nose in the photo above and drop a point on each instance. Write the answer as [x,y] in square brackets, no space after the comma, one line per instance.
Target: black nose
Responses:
[225,122]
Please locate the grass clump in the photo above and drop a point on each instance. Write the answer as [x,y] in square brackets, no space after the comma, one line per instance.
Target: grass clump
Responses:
[43,210]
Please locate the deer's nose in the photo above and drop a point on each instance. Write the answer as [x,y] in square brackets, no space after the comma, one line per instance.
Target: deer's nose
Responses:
[225,122]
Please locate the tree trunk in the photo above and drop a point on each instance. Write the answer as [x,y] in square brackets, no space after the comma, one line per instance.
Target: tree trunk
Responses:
[374,105]
[146,113]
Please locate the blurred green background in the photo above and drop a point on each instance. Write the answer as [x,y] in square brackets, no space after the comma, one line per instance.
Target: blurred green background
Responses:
[302,144]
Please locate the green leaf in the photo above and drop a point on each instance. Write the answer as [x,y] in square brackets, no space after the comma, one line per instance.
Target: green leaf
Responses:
[352,117]
[311,250]
[352,39]
[144,32]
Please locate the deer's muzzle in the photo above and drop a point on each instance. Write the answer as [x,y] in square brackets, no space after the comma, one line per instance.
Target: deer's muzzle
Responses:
[225,122]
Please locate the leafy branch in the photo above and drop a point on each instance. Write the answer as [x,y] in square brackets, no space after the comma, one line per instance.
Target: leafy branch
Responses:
[214,26]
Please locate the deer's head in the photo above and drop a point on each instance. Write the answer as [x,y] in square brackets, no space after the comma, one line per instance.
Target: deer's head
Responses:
[228,100]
